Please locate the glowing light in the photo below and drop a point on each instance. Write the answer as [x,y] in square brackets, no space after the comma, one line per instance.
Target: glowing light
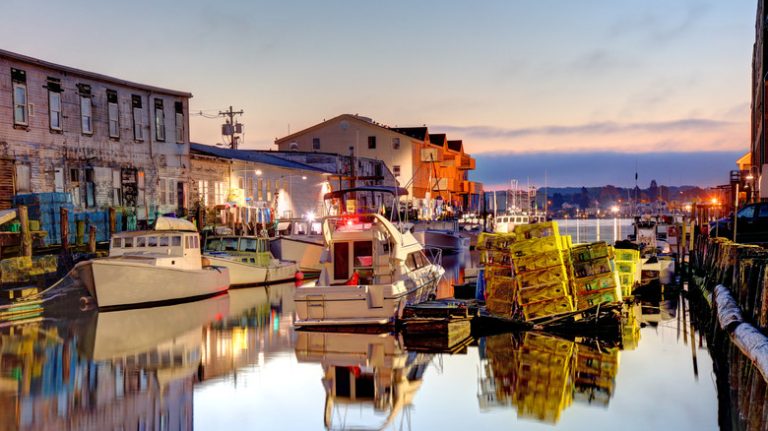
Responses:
[350,222]
[311,216]
[614,209]
[258,172]
[750,177]
[303,177]
[688,208]
[714,201]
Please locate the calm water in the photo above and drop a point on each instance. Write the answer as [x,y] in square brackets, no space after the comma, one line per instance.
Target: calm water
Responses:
[587,230]
[234,362]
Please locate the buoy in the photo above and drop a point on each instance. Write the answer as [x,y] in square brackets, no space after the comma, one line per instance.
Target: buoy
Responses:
[298,277]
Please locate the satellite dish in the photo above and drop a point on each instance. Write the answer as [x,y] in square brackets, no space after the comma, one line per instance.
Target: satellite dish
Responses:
[344,125]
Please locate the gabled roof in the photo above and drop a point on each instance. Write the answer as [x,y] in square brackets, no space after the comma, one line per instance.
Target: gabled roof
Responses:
[356,118]
[252,156]
[419,133]
[89,75]
[456,145]
[437,139]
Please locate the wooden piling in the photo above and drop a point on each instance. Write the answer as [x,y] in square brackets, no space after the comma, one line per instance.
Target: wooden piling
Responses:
[26,235]
[112,221]
[64,223]
[80,232]
[92,238]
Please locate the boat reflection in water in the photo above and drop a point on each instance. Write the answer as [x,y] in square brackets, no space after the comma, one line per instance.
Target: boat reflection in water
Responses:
[257,326]
[131,369]
[369,379]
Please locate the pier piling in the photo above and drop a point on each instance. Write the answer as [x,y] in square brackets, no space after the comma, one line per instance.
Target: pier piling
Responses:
[64,221]
[26,235]
[92,238]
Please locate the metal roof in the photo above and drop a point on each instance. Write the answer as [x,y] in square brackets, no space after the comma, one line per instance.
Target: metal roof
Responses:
[399,191]
[253,156]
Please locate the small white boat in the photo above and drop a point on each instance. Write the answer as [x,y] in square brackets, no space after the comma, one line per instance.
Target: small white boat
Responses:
[304,245]
[371,271]
[446,240]
[147,268]
[505,223]
[249,260]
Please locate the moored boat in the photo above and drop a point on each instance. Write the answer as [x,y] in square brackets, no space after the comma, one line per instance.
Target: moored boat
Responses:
[146,268]
[371,271]
[248,259]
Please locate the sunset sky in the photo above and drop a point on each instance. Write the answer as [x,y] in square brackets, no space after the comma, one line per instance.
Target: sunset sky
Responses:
[582,90]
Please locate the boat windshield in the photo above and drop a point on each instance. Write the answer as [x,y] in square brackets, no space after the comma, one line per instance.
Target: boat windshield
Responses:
[221,244]
[255,245]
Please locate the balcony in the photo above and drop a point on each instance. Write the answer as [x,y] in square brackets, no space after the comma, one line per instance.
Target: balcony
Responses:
[443,184]
[467,162]
[468,187]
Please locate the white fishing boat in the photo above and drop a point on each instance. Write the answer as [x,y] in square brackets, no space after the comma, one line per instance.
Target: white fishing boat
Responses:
[303,245]
[249,260]
[147,268]
[447,240]
[371,271]
[370,380]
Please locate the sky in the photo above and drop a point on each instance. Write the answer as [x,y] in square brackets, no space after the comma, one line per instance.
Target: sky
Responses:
[582,90]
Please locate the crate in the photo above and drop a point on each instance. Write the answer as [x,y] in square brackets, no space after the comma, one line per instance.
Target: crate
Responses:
[536,230]
[501,288]
[555,274]
[550,343]
[591,268]
[541,309]
[591,251]
[498,271]
[499,307]
[494,241]
[497,258]
[627,255]
[598,297]
[625,267]
[538,261]
[587,285]
[542,292]
[537,246]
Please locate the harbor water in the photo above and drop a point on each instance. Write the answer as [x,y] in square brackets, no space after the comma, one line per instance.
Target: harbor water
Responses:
[235,361]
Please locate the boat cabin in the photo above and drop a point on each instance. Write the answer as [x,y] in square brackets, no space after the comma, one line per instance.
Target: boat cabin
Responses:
[158,244]
[248,249]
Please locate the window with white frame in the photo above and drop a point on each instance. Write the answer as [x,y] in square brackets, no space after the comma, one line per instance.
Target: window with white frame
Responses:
[113,114]
[395,143]
[220,193]
[167,189]
[86,114]
[159,120]
[20,108]
[179,108]
[138,117]
[54,110]
[23,179]
[202,192]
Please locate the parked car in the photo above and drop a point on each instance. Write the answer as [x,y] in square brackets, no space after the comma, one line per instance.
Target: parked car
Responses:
[751,225]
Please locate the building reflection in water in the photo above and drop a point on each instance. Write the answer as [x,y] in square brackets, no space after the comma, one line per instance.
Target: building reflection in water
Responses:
[134,369]
[369,379]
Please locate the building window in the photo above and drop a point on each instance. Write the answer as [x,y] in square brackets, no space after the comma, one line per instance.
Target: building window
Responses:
[113,113]
[54,104]
[159,120]
[179,108]
[315,143]
[23,179]
[167,189]
[396,170]
[138,118]
[220,193]
[86,115]
[395,143]
[371,142]
[19,79]
[202,192]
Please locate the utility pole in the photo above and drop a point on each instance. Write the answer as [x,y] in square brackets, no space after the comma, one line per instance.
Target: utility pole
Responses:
[231,128]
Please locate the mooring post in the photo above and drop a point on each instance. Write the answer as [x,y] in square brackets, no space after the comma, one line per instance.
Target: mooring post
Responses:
[26,235]
[64,223]
[92,238]
[112,221]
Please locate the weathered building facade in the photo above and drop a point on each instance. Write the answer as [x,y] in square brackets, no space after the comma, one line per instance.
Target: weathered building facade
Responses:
[107,141]
[256,180]
[427,169]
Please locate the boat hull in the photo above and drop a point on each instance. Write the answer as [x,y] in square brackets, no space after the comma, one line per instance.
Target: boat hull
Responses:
[360,305]
[304,252]
[244,274]
[116,283]
[446,241]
